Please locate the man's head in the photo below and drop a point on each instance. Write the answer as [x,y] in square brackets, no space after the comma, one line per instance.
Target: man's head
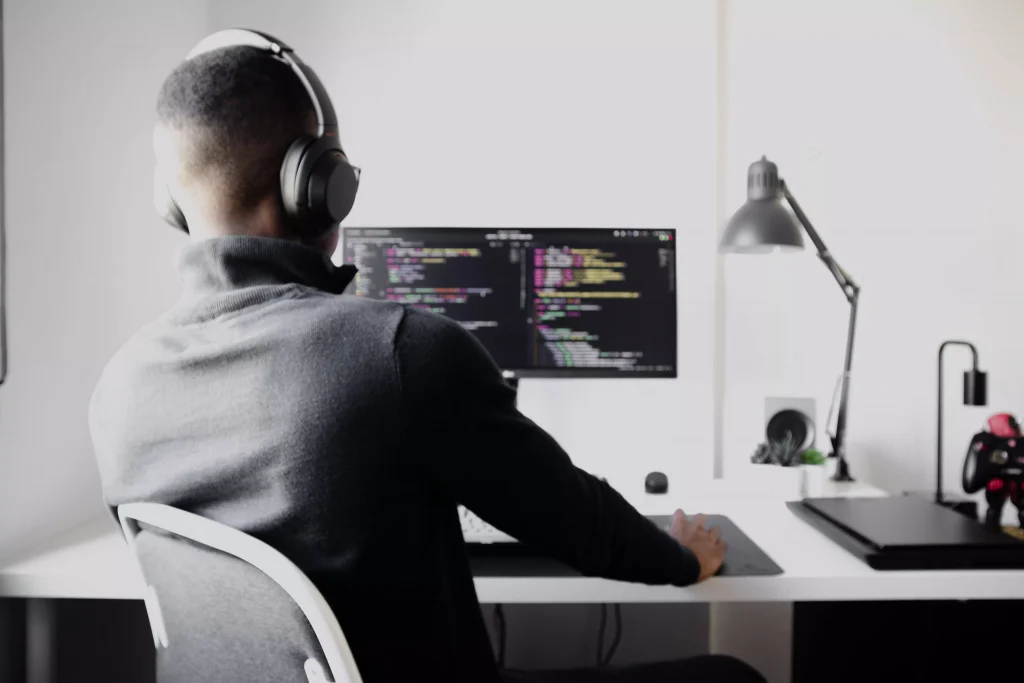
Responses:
[225,120]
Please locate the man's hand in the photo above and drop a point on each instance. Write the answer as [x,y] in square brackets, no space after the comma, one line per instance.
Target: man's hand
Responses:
[705,543]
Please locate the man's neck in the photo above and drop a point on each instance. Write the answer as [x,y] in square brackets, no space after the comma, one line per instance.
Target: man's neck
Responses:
[264,220]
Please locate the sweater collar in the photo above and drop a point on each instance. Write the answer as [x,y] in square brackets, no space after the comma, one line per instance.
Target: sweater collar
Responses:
[229,264]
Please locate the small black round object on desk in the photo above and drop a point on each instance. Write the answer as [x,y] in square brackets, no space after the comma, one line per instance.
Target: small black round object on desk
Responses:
[656,482]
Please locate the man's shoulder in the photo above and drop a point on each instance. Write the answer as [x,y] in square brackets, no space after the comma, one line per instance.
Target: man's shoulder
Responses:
[433,338]
[424,325]
[118,369]
[364,327]
[432,346]
[348,310]
[118,384]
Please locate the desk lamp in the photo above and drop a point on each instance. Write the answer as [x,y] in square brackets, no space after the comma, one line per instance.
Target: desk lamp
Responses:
[975,394]
[764,224]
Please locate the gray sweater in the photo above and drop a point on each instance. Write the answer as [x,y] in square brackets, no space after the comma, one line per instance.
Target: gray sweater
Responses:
[344,432]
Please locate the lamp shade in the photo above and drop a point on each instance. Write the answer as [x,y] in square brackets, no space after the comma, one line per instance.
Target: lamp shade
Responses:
[764,223]
[975,388]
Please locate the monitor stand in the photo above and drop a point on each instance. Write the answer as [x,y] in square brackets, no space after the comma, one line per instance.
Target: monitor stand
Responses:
[514,383]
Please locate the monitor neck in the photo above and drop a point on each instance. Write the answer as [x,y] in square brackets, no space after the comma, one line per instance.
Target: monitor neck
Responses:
[513,382]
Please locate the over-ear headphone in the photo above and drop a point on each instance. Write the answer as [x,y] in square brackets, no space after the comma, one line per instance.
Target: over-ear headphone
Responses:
[318,185]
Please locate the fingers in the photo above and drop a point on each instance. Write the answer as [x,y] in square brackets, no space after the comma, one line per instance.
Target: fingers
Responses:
[697,524]
[678,528]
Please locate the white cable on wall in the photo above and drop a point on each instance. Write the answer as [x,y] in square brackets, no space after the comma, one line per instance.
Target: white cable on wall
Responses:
[3,218]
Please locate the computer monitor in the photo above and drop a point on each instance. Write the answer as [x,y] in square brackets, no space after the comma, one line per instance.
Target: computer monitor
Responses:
[545,302]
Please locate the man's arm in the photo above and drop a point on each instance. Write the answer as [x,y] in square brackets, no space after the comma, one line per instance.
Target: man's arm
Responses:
[510,472]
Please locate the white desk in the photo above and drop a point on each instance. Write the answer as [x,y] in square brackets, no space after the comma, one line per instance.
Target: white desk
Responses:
[95,563]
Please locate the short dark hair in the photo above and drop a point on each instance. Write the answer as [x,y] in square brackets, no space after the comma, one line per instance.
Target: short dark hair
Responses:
[239,109]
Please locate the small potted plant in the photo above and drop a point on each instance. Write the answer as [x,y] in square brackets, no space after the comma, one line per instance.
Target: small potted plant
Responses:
[812,483]
[777,466]
[797,473]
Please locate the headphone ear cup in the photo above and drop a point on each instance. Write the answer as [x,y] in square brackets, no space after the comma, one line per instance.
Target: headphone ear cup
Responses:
[165,205]
[318,185]
[291,192]
[333,184]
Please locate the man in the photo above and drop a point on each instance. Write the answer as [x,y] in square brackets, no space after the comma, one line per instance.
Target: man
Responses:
[342,431]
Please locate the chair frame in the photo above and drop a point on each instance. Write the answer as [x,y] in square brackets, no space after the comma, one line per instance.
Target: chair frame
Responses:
[291,579]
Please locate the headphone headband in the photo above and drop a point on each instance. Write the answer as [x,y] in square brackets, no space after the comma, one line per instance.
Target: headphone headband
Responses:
[326,120]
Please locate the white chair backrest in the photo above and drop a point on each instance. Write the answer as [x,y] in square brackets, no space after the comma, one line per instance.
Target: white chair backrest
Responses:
[274,565]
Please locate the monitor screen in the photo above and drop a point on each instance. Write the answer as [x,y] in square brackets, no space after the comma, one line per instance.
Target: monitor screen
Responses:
[545,302]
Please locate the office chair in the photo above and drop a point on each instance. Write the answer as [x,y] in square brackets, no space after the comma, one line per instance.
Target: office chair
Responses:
[226,607]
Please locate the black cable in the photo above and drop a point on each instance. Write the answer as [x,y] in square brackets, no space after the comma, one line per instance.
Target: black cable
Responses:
[499,627]
[600,634]
[618,636]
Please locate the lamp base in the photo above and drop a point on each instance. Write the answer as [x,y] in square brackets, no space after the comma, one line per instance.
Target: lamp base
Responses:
[842,472]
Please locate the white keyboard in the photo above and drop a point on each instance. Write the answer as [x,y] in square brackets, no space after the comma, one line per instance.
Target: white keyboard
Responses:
[476,530]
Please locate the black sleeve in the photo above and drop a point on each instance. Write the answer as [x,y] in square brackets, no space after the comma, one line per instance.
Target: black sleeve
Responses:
[510,472]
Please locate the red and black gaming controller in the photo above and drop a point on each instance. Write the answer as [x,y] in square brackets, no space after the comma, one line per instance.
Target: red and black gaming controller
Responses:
[995,462]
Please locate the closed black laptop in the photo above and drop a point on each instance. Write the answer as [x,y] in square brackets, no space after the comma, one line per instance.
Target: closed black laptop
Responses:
[907,532]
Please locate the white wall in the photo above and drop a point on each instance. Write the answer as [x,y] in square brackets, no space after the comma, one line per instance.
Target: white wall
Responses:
[88,260]
[535,113]
[898,126]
